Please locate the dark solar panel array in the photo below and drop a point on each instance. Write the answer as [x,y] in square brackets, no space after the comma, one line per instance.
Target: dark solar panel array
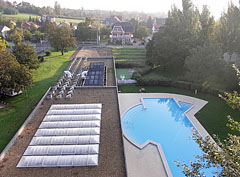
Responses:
[95,75]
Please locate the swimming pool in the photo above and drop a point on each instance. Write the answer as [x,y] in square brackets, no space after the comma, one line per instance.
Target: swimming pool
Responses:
[164,122]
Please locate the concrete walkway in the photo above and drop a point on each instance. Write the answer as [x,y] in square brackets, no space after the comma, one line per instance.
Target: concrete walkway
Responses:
[149,160]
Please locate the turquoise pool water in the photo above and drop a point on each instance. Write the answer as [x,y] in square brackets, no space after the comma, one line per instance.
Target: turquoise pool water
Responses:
[164,122]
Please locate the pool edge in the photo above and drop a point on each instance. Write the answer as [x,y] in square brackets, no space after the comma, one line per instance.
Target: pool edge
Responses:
[129,100]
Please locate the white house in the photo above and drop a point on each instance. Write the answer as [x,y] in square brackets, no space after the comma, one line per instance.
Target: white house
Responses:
[122,32]
[4,31]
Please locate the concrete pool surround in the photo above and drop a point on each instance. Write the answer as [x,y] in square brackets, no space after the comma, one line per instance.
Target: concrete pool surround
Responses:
[128,101]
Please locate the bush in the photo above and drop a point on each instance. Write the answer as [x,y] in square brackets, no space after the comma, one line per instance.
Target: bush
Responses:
[41,59]
[145,70]
[48,52]
[181,84]
[128,65]
[154,82]
[136,75]
[118,42]
[10,11]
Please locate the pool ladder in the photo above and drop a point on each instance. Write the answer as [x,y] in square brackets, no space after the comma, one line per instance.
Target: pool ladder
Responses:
[142,102]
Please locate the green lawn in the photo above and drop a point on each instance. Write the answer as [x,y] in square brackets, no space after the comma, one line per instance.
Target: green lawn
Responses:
[12,117]
[212,116]
[26,17]
[123,72]
[130,55]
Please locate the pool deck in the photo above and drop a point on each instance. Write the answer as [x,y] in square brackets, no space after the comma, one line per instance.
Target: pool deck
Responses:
[148,159]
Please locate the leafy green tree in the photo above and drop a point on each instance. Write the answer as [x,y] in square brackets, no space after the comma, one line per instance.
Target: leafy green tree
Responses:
[10,11]
[3,44]
[38,35]
[27,35]
[105,31]
[49,29]
[150,22]
[135,24]
[142,32]
[228,29]
[16,36]
[204,62]
[83,32]
[89,20]
[208,27]
[62,38]
[33,28]
[12,74]
[173,42]
[224,154]
[26,55]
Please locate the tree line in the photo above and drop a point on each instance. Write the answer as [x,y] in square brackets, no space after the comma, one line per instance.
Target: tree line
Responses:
[193,44]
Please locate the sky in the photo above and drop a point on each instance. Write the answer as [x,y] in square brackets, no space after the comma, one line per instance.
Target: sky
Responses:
[215,6]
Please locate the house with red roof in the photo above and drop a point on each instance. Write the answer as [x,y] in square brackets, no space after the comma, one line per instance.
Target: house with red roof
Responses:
[28,25]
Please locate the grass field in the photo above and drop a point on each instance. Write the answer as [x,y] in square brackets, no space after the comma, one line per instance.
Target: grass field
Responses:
[213,116]
[130,55]
[13,116]
[26,17]
[123,72]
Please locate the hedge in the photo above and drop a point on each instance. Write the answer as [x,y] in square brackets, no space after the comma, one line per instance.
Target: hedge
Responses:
[128,65]
[166,82]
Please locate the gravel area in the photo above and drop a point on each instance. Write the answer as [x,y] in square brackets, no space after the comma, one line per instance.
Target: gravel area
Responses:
[111,158]
[94,52]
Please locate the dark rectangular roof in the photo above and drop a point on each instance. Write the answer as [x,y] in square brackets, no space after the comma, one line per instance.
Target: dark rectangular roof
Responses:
[127,27]
[95,75]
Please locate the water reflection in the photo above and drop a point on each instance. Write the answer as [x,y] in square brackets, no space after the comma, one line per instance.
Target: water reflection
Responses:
[178,113]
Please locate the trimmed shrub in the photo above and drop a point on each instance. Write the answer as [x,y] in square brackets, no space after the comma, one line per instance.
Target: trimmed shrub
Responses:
[154,82]
[181,84]
[48,52]
[136,75]
[41,59]
[128,65]
[145,70]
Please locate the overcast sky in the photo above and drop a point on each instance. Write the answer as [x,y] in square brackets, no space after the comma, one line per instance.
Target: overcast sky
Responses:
[216,6]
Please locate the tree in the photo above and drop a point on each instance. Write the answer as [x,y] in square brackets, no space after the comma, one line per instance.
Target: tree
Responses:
[33,28]
[228,30]
[12,74]
[38,35]
[135,24]
[26,55]
[27,35]
[224,154]
[83,32]
[16,36]
[142,32]
[3,44]
[204,62]
[62,38]
[10,11]
[105,31]
[57,8]
[173,42]
[150,22]
[207,22]
[49,29]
